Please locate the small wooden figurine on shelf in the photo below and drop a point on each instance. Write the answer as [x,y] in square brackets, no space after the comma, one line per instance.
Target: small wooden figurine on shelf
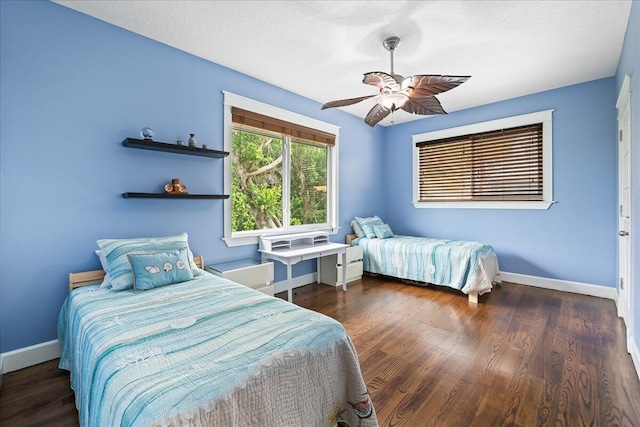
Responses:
[175,187]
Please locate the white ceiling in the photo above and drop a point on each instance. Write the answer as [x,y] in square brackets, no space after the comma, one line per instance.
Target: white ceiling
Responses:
[321,49]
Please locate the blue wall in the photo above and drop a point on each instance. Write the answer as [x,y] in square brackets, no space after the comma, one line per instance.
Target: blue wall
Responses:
[575,239]
[73,88]
[630,64]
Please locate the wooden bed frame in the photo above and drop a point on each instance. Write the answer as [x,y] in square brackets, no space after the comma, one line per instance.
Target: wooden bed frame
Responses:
[93,277]
[473,296]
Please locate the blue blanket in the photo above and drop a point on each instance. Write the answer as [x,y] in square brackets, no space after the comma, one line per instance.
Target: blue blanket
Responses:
[468,266]
[179,354]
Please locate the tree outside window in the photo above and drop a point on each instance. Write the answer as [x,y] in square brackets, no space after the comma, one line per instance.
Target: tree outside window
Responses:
[278,182]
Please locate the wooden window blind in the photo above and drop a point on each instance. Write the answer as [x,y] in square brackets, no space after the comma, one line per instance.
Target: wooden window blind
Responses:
[258,121]
[498,165]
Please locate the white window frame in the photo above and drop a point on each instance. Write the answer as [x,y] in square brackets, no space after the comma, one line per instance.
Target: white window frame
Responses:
[544,117]
[240,238]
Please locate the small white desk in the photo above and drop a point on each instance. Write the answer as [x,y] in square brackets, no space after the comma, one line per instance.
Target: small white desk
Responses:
[295,255]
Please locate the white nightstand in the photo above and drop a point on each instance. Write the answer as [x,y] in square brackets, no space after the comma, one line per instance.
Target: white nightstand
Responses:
[248,272]
[331,268]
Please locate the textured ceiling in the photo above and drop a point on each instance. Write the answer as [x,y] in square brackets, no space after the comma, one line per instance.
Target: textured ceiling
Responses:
[321,49]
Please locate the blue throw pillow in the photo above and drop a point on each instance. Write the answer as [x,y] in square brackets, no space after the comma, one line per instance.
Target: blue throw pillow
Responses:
[152,271]
[366,224]
[383,231]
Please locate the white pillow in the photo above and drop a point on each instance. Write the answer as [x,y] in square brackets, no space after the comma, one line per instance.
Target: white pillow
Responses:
[356,228]
[106,282]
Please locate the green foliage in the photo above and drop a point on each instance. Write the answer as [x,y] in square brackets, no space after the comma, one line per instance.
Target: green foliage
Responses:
[257,180]
[308,184]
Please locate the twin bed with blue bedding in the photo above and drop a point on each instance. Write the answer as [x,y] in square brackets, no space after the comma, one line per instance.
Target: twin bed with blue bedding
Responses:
[207,352]
[470,267]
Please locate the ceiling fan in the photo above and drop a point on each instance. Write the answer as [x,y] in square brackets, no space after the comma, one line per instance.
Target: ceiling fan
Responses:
[414,94]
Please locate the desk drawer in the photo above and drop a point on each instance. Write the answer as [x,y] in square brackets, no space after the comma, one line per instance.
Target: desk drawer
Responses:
[354,272]
[320,254]
[331,267]
[354,253]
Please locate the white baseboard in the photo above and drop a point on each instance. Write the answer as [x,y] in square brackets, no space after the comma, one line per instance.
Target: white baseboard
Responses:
[29,356]
[635,354]
[298,281]
[561,285]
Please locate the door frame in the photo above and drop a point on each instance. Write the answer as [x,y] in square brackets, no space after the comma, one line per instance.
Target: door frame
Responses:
[625,263]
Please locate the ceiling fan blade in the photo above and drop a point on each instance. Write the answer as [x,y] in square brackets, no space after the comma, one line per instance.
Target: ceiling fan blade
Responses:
[377,113]
[415,94]
[430,84]
[345,102]
[379,79]
[427,105]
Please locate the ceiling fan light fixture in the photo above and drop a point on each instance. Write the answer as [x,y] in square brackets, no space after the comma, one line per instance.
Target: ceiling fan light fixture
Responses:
[414,94]
[393,101]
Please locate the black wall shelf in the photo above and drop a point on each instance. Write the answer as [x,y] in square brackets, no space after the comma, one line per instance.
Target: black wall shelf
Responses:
[130,195]
[147,144]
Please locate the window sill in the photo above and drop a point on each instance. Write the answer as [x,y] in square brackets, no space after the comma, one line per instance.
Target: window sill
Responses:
[483,205]
[253,238]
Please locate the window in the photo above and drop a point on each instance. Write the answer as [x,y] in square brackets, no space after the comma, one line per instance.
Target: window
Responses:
[281,173]
[502,164]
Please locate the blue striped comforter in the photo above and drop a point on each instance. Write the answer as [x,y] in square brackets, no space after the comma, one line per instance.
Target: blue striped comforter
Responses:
[205,352]
[468,266]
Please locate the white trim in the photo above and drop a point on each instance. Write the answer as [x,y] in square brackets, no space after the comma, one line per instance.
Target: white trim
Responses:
[240,241]
[635,354]
[513,121]
[561,285]
[625,92]
[251,237]
[624,107]
[484,205]
[298,281]
[30,356]
[231,99]
[545,117]
[226,226]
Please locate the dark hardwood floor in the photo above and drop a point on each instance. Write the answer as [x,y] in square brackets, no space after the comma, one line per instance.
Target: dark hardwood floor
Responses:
[522,357]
